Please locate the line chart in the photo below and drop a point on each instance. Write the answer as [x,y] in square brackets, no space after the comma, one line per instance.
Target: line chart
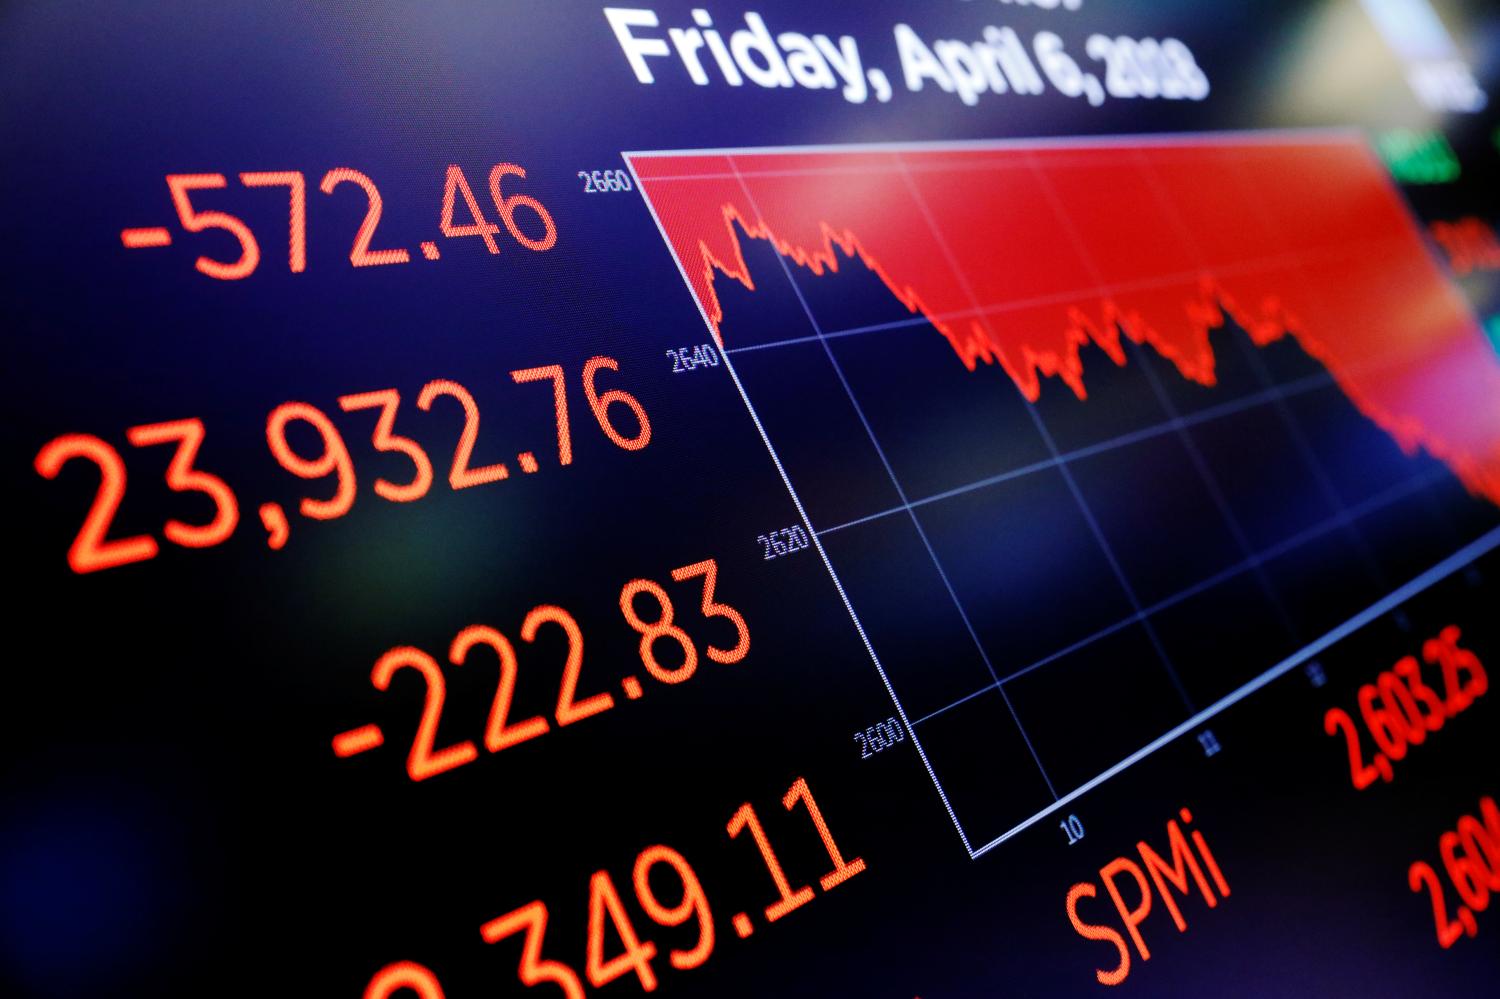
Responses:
[1211,394]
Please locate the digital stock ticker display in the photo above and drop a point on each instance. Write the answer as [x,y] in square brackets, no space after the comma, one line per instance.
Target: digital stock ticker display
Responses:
[971,498]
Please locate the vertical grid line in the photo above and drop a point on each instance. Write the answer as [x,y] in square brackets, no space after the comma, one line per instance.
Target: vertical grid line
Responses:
[1294,426]
[1067,475]
[1464,558]
[1169,208]
[896,483]
[817,541]
[1211,481]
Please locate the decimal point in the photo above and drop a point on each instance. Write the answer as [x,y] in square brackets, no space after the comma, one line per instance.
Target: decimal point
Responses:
[430,250]
[277,529]
[742,925]
[528,462]
[632,688]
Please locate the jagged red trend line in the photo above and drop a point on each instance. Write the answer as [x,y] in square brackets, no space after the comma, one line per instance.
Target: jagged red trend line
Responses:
[1021,255]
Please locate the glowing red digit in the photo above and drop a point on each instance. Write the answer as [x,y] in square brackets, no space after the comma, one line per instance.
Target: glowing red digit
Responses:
[600,404]
[1361,774]
[1468,873]
[1389,735]
[498,734]
[361,255]
[1436,714]
[506,207]
[297,196]
[662,627]
[559,403]
[404,975]
[422,762]
[334,459]
[568,710]
[387,400]
[1482,848]
[461,476]
[842,870]
[90,550]
[456,183]
[532,917]
[745,818]
[709,570]
[1491,816]
[182,477]
[1400,705]
[694,903]
[1444,651]
[181,184]
[1482,840]
[1455,661]
[604,900]
[1421,875]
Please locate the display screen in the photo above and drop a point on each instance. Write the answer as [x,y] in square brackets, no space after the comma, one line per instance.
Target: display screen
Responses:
[916,500]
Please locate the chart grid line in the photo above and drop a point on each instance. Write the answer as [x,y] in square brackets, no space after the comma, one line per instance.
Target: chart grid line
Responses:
[1175,421]
[1294,426]
[1460,559]
[1385,498]
[1209,479]
[901,492]
[1311,135]
[1345,515]
[1274,262]
[1163,428]
[859,627]
[1062,468]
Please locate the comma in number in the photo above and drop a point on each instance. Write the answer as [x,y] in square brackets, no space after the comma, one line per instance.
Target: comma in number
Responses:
[274,519]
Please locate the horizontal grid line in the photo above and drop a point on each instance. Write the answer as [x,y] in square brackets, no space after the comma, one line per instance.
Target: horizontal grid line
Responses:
[1001,162]
[1186,140]
[1004,162]
[1462,558]
[1326,526]
[1263,398]
[1132,140]
[802,512]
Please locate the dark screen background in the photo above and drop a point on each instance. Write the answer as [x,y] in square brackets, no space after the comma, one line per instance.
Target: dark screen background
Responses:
[171,819]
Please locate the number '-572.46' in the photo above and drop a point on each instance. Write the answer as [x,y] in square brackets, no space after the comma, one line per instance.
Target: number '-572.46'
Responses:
[183,186]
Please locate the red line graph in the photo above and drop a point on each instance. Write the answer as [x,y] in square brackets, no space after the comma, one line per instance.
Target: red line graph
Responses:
[1019,256]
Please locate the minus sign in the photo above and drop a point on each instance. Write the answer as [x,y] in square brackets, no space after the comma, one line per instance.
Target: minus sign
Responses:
[135,239]
[357,740]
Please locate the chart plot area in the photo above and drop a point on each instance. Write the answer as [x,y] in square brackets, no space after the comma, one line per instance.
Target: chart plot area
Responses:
[1092,434]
